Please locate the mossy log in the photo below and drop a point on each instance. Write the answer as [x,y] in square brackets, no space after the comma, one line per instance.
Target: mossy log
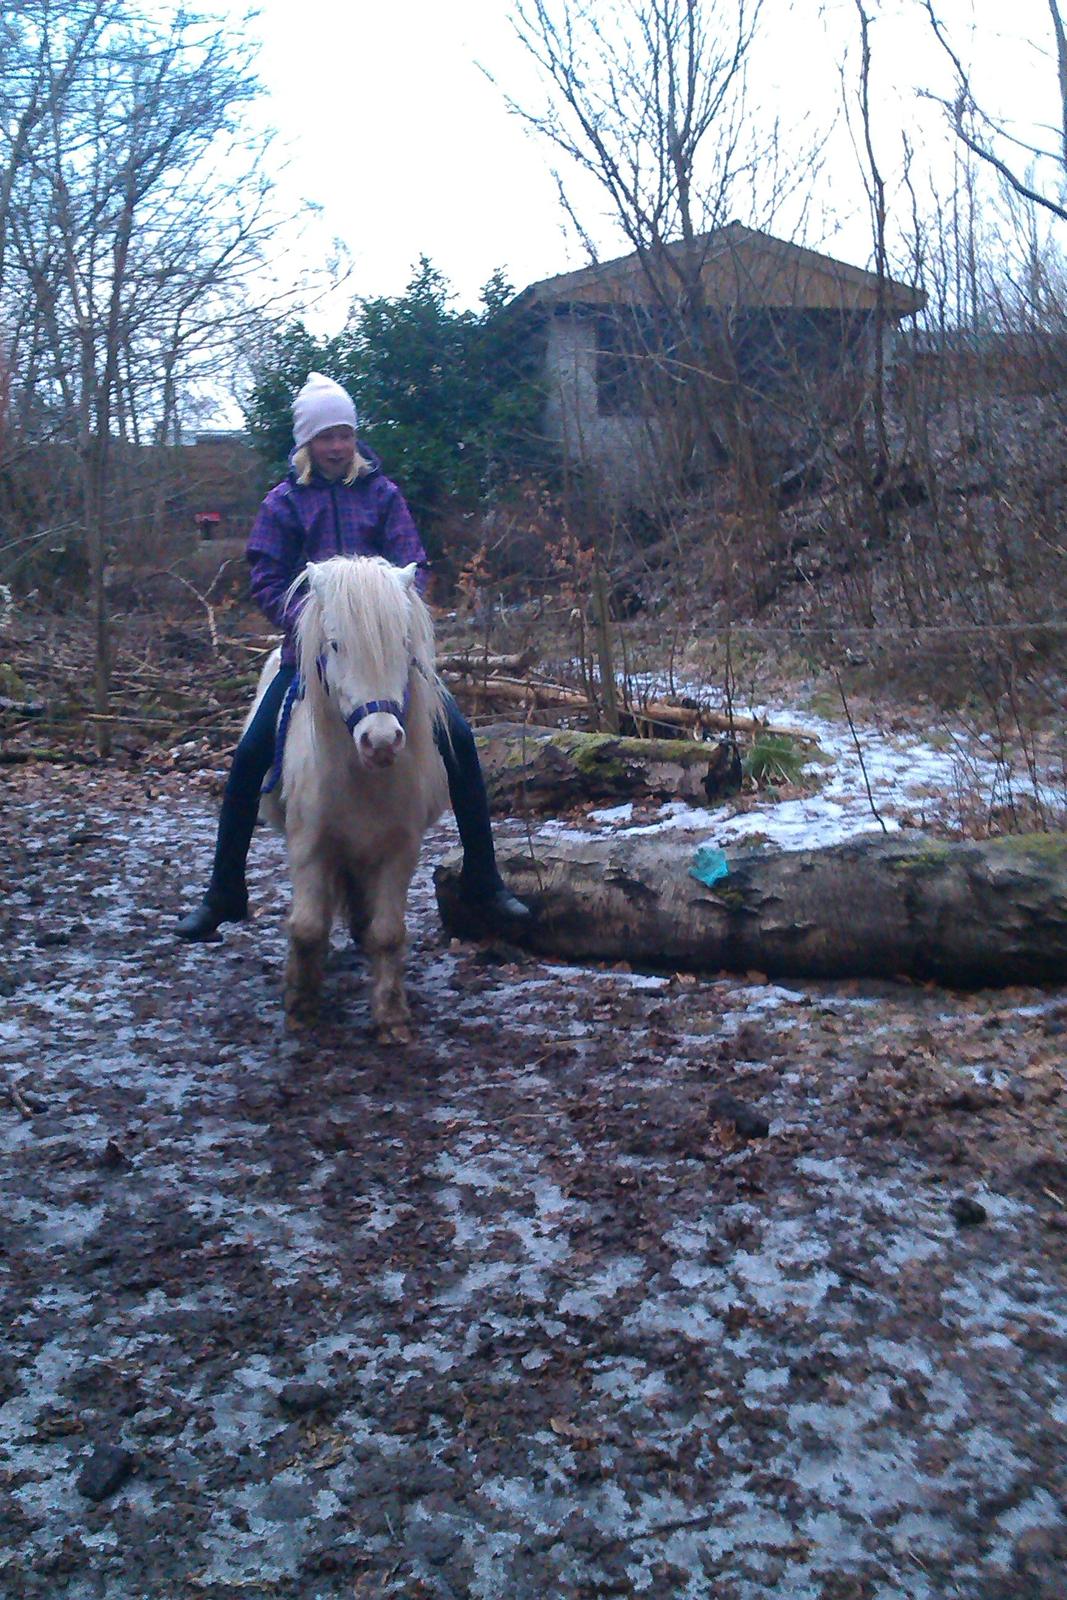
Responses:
[963,914]
[548,769]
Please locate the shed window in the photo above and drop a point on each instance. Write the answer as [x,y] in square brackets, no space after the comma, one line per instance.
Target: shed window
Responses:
[630,363]
[763,350]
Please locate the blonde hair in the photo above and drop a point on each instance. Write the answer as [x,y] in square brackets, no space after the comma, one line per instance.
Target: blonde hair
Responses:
[302,465]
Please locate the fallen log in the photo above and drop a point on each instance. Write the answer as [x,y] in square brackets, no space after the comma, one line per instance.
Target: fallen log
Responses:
[547,769]
[899,905]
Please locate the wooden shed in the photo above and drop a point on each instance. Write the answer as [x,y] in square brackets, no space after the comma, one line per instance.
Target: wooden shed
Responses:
[772,313]
[738,267]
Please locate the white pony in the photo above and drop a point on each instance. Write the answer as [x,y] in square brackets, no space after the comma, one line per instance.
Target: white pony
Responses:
[361,777]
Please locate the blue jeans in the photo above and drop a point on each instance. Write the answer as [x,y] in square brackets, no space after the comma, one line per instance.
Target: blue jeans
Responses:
[252,761]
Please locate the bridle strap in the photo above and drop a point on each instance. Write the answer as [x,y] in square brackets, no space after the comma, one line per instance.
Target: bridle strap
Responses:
[395,708]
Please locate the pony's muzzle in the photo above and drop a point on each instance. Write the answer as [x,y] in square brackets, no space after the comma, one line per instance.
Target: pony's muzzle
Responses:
[379,740]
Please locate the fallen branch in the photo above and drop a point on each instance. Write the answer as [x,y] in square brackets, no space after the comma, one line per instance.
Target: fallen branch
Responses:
[520,691]
[23,708]
[204,601]
[47,756]
[18,1100]
[537,695]
[469,663]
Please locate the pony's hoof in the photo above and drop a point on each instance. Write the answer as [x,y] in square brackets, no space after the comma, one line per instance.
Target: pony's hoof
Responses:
[394,1033]
[301,1013]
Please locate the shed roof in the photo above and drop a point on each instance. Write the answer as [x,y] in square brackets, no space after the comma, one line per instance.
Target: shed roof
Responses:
[739,267]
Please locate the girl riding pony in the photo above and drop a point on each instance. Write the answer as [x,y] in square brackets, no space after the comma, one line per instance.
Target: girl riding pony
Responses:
[335,500]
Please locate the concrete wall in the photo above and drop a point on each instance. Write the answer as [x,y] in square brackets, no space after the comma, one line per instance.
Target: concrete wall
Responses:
[619,450]
[627,452]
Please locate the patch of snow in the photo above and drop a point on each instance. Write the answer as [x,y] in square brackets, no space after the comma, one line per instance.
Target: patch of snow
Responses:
[621,813]
[601,1284]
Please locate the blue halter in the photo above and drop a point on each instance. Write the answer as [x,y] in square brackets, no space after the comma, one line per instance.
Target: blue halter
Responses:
[395,708]
[399,710]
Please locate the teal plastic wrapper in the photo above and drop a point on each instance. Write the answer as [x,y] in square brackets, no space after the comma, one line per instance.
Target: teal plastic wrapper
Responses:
[709,865]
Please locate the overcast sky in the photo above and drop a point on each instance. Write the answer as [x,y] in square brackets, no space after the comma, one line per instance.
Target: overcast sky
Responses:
[394,130]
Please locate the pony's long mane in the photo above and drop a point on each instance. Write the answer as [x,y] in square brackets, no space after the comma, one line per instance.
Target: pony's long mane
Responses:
[369,610]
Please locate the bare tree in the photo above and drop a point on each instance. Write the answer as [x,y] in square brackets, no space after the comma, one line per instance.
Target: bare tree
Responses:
[648,100]
[136,226]
[1019,161]
[651,102]
[41,50]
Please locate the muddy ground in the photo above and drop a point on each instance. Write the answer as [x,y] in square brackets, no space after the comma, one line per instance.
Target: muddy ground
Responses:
[519,1313]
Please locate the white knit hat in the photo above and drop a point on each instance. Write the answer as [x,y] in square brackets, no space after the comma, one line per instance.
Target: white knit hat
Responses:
[321,404]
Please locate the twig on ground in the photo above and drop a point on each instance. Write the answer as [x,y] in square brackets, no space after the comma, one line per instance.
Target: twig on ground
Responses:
[18,1100]
[859,754]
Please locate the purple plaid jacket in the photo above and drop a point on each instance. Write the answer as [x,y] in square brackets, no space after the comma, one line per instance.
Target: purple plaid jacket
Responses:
[298,523]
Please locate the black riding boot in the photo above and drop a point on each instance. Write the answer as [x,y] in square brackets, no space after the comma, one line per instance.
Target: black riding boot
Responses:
[484,892]
[226,899]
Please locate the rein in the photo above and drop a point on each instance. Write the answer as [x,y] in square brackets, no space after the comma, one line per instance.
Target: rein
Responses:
[294,693]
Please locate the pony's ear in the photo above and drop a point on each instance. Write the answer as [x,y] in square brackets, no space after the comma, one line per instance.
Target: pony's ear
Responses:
[407,574]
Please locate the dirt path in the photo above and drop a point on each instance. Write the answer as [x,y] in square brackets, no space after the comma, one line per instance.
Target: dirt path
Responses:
[516,1315]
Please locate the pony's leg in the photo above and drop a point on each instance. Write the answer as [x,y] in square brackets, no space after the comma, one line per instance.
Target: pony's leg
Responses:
[309,938]
[385,941]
